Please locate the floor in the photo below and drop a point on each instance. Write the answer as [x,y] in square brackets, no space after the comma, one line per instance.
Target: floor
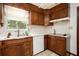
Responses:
[47,53]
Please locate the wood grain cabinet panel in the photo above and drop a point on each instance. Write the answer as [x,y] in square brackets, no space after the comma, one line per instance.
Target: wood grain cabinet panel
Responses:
[59,11]
[45,42]
[0,52]
[47,17]
[0,48]
[0,43]
[1,12]
[18,47]
[51,43]
[41,18]
[28,49]
[57,44]
[13,50]
[60,46]
[34,18]
[63,13]
[37,18]
[28,45]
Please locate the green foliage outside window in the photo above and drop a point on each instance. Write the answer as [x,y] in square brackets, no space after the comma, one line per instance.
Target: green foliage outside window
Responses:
[13,24]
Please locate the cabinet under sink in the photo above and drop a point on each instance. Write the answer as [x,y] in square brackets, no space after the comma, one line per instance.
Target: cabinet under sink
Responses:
[56,44]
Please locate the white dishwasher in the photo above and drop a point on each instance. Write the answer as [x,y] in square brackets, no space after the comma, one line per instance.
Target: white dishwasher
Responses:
[38,44]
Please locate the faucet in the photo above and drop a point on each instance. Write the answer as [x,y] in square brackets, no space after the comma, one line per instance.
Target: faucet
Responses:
[9,34]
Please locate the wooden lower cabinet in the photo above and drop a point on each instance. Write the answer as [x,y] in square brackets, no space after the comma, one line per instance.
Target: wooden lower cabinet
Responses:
[13,50]
[0,48]
[17,47]
[0,52]
[45,42]
[57,44]
[52,42]
[28,49]
[60,46]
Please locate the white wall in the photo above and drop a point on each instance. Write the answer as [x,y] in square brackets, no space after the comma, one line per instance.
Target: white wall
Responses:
[73,26]
[61,27]
[35,29]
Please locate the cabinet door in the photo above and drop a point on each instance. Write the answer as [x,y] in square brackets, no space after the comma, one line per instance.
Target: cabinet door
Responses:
[0,13]
[60,46]
[51,43]
[34,18]
[59,11]
[45,42]
[0,52]
[0,48]
[46,19]
[28,49]
[63,13]
[28,46]
[20,47]
[13,50]
[41,18]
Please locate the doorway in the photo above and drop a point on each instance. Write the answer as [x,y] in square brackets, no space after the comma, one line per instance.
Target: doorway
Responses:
[77,31]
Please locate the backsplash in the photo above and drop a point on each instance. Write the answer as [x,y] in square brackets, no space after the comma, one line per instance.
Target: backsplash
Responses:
[34,29]
[61,27]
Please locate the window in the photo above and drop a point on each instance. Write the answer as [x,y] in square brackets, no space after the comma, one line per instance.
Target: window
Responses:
[12,24]
[16,18]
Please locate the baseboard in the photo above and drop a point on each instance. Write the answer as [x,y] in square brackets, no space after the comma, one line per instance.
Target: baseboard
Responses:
[71,53]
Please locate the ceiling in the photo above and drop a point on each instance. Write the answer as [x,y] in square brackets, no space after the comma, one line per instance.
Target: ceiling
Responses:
[45,5]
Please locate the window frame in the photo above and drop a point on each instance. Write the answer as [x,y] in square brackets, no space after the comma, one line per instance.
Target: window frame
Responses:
[17,27]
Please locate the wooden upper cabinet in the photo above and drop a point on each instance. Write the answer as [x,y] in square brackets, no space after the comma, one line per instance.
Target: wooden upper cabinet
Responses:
[1,5]
[47,17]
[37,15]
[37,18]
[34,18]
[59,11]
[41,18]
[34,8]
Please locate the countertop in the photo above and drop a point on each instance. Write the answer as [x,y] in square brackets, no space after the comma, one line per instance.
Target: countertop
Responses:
[32,35]
[60,35]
